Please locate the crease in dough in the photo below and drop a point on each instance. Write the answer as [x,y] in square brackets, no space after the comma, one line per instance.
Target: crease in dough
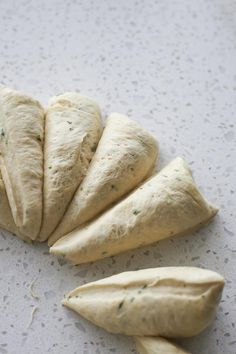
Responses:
[167,204]
[6,218]
[72,131]
[157,345]
[21,159]
[169,302]
[125,156]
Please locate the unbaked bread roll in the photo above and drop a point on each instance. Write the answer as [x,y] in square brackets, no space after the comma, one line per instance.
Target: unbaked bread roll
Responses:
[125,156]
[168,204]
[21,159]
[72,131]
[157,345]
[170,302]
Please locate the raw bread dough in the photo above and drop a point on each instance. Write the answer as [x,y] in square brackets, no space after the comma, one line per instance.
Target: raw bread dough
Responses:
[72,131]
[168,204]
[6,219]
[125,156]
[170,302]
[157,345]
[21,159]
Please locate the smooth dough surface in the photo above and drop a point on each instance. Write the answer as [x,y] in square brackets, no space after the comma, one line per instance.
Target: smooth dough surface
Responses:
[171,302]
[21,159]
[6,218]
[157,345]
[125,156]
[167,204]
[72,131]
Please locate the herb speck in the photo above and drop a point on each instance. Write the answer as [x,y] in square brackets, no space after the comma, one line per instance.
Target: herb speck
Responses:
[136,212]
[120,304]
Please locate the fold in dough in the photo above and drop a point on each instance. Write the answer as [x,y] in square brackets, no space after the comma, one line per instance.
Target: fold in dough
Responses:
[72,131]
[21,160]
[156,345]
[6,219]
[125,156]
[171,302]
[168,204]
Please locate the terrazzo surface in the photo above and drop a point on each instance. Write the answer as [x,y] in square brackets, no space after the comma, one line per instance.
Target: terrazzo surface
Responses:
[171,65]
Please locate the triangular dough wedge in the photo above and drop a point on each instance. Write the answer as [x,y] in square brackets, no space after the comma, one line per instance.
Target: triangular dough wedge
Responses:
[171,302]
[157,345]
[125,156]
[72,131]
[21,159]
[168,204]
[6,219]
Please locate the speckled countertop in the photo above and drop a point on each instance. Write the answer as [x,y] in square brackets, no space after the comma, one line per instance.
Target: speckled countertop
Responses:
[171,65]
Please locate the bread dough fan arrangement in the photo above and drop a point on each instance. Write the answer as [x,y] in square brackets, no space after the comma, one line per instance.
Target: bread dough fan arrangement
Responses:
[92,193]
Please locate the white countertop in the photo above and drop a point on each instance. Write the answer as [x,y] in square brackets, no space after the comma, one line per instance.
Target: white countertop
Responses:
[171,65]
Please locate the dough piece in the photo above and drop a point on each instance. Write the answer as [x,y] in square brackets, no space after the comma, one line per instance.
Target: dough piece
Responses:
[6,219]
[156,345]
[72,131]
[125,156]
[21,159]
[170,302]
[168,204]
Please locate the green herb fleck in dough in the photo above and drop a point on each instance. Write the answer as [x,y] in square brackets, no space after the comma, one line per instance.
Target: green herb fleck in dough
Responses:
[136,212]
[50,167]
[71,129]
[144,286]
[2,132]
[120,304]
[69,122]
[132,299]
[38,138]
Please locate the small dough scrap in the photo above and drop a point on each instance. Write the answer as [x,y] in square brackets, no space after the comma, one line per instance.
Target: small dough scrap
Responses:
[125,156]
[72,131]
[21,159]
[167,204]
[157,345]
[6,218]
[169,302]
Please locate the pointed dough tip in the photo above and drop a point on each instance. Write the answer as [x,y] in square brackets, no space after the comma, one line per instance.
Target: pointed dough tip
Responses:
[64,302]
[58,250]
[214,209]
